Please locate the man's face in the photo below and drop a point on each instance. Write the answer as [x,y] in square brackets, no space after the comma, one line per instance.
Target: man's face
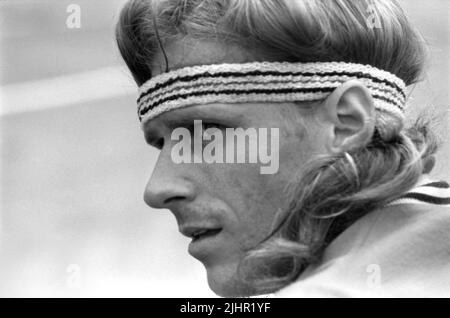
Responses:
[228,208]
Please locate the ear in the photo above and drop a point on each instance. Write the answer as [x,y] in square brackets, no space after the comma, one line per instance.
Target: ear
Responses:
[351,115]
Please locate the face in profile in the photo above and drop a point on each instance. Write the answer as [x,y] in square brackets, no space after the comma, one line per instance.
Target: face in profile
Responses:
[342,150]
[226,208]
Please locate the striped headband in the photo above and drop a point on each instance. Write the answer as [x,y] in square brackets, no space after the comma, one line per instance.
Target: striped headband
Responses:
[272,82]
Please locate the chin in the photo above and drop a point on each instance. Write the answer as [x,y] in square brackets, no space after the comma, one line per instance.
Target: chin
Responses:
[224,282]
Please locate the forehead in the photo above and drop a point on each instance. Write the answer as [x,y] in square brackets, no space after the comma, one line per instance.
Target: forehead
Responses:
[191,52]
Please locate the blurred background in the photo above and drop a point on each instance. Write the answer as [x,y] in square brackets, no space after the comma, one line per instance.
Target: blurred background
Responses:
[74,162]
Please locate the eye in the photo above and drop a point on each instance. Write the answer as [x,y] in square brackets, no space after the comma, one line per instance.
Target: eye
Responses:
[159,144]
[206,126]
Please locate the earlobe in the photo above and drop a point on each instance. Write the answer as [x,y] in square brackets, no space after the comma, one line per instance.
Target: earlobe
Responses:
[351,112]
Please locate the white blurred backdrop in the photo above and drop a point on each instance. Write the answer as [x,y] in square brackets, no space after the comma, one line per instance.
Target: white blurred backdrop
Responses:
[74,162]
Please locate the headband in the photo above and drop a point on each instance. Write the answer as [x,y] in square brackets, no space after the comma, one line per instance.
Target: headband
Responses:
[272,82]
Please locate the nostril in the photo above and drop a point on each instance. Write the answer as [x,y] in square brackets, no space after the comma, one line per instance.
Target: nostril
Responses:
[173,199]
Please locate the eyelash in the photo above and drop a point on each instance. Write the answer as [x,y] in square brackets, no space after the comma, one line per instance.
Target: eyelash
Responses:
[206,126]
[159,143]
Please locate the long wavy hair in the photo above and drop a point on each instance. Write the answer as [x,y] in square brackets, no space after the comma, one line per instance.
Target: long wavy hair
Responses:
[335,191]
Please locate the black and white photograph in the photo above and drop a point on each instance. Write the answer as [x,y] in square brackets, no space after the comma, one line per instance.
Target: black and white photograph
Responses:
[214,149]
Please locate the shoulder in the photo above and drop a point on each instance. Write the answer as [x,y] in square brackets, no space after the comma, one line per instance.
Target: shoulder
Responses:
[401,250]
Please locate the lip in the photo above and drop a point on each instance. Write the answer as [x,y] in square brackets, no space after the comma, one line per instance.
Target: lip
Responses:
[192,231]
[205,244]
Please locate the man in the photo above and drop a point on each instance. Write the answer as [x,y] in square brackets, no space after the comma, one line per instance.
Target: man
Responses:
[348,209]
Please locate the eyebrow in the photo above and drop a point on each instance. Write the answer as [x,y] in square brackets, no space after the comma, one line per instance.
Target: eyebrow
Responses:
[188,115]
[226,117]
[151,134]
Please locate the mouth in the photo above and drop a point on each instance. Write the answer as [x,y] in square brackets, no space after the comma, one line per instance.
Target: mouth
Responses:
[197,232]
[206,244]
[204,233]
[205,240]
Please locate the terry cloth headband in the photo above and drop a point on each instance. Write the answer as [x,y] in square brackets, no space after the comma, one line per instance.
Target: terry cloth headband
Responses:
[272,82]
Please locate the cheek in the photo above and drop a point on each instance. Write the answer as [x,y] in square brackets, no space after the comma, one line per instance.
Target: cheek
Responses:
[298,149]
[254,198]
[250,197]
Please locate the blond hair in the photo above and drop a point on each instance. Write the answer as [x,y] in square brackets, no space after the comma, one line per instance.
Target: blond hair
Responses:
[335,191]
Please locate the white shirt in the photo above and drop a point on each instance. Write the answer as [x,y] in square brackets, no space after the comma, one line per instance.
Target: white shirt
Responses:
[401,250]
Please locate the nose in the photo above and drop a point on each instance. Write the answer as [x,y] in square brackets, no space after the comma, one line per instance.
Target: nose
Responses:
[168,184]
